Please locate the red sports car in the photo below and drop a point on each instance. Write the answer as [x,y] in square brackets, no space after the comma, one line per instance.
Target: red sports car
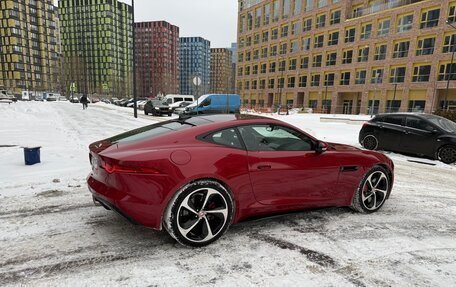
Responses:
[195,176]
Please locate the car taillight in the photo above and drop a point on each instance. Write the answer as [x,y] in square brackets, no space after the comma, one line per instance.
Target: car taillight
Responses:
[111,168]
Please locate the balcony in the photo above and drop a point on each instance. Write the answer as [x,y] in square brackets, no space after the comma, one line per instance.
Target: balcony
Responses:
[380,6]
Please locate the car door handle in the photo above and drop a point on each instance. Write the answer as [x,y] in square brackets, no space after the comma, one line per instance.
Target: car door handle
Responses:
[264,167]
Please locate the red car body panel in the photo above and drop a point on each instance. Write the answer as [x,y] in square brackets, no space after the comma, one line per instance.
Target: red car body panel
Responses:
[261,182]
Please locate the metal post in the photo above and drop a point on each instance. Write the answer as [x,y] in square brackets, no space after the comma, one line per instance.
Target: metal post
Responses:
[394,96]
[135,105]
[326,93]
[449,76]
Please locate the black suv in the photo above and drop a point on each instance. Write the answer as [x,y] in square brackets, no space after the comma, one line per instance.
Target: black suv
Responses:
[411,133]
[157,108]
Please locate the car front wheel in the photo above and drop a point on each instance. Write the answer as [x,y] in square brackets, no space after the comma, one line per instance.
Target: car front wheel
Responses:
[199,213]
[372,191]
[447,154]
[370,142]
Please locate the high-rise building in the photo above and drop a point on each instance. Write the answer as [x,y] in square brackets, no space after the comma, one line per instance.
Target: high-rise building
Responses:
[221,67]
[347,56]
[194,62]
[29,56]
[157,58]
[97,46]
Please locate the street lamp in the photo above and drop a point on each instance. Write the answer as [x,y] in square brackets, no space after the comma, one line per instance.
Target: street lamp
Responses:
[326,92]
[377,76]
[449,75]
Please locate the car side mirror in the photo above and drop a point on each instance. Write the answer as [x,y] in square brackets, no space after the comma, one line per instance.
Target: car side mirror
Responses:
[321,147]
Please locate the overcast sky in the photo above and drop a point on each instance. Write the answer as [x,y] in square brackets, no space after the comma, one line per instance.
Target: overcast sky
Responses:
[214,20]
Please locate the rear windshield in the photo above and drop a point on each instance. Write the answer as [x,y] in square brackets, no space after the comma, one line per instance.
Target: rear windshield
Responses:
[150,131]
[443,123]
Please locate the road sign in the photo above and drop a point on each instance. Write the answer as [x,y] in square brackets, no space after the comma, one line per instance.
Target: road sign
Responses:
[197,81]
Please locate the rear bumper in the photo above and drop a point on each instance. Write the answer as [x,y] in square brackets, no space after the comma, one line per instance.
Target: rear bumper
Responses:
[130,197]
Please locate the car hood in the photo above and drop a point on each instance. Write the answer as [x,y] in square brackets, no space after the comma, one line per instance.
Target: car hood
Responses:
[342,147]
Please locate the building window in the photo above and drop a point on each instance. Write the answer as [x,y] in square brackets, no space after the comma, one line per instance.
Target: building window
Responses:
[302,81]
[383,27]
[321,21]
[350,34]
[380,52]
[284,31]
[255,70]
[295,28]
[267,14]
[291,82]
[331,59]
[348,57]
[401,49]
[447,72]
[322,3]
[256,39]
[329,79]
[305,44]
[333,38]
[307,25]
[315,80]
[360,77]
[275,34]
[264,52]
[292,65]
[265,37]
[404,23]
[275,11]
[257,17]
[297,7]
[449,43]
[345,79]
[397,75]
[430,18]
[256,54]
[335,17]
[273,51]
[363,54]
[285,9]
[319,39]
[425,46]
[247,71]
[280,82]
[421,73]
[283,48]
[317,59]
[377,76]
[262,84]
[272,67]
[294,46]
[304,63]
[271,84]
[263,68]
[452,13]
[366,31]
[282,66]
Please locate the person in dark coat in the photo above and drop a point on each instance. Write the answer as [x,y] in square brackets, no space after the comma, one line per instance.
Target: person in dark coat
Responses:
[84,102]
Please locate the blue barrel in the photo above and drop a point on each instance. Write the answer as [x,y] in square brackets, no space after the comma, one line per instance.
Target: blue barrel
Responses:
[31,155]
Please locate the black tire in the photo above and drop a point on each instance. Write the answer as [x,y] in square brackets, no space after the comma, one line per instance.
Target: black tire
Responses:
[169,115]
[369,198]
[447,154]
[146,113]
[370,142]
[186,210]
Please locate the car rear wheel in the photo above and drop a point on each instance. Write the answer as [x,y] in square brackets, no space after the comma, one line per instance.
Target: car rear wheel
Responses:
[372,191]
[447,154]
[199,213]
[370,142]
[146,113]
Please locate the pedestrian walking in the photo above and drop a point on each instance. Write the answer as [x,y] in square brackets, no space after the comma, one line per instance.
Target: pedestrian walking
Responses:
[84,102]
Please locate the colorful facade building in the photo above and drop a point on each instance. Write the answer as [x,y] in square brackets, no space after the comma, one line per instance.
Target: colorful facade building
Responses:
[97,46]
[29,56]
[194,63]
[221,67]
[347,56]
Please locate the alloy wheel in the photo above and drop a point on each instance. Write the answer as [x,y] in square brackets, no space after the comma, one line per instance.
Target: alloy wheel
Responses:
[448,154]
[374,190]
[370,142]
[202,215]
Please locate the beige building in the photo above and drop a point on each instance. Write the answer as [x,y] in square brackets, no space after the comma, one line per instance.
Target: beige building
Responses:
[29,57]
[347,56]
[221,71]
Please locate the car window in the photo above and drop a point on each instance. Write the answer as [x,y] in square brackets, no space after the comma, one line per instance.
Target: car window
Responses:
[417,123]
[395,120]
[206,102]
[227,137]
[274,138]
[178,99]
[150,131]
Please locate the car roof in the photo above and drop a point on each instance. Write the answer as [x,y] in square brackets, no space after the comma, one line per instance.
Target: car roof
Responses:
[226,119]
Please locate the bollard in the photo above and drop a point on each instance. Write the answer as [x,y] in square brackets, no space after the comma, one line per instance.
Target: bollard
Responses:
[32,155]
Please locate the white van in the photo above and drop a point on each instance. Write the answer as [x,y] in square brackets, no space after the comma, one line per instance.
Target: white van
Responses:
[171,99]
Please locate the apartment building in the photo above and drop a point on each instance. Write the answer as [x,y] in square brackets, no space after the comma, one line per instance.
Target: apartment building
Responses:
[220,72]
[97,46]
[28,46]
[347,56]
[157,58]
[194,62]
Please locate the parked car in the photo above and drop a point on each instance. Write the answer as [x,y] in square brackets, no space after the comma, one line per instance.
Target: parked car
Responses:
[179,107]
[171,99]
[215,104]
[411,133]
[157,108]
[195,176]
[51,98]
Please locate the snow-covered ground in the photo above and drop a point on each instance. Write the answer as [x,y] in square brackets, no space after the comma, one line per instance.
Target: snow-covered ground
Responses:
[51,234]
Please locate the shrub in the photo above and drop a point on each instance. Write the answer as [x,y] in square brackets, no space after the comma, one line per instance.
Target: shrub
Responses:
[451,115]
